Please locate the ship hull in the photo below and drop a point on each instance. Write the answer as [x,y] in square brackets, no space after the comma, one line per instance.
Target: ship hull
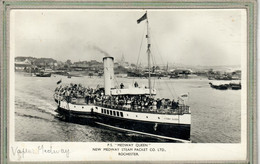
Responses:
[83,118]
[44,75]
[91,115]
[170,131]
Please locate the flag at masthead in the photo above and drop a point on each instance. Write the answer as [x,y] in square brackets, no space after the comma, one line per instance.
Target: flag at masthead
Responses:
[142,18]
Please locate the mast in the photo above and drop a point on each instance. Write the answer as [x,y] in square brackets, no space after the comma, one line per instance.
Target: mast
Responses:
[148,54]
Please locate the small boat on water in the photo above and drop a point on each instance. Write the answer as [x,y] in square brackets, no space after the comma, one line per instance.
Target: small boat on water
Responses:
[43,74]
[220,87]
[225,86]
[235,86]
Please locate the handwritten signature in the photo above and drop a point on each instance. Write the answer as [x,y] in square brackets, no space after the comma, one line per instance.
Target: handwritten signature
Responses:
[21,152]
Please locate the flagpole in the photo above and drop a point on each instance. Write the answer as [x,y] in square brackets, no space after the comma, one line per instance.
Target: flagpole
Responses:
[148,53]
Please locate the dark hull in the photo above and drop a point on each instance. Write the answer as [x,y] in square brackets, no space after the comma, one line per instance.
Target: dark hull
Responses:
[178,131]
[83,118]
[226,86]
[44,75]
[161,130]
[219,87]
[235,86]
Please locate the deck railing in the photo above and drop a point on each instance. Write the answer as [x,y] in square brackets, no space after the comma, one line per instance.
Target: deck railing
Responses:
[180,110]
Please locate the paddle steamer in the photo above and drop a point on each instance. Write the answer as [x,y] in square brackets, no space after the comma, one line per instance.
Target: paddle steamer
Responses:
[164,122]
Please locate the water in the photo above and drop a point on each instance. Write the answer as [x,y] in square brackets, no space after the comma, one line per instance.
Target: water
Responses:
[216,114]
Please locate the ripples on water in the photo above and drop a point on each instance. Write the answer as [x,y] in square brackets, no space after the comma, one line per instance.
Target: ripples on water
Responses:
[216,114]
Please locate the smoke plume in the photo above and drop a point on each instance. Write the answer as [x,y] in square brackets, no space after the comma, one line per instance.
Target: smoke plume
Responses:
[99,50]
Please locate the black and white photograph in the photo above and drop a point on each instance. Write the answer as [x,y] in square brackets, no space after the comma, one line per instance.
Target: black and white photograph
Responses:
[119,77]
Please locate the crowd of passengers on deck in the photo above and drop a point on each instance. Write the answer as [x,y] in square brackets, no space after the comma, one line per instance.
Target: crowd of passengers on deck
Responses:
[74,92]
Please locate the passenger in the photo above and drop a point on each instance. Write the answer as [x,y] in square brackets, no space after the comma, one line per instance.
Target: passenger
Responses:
[135,105]
[162,103]
[125,104]
[87,96]
[122,86]
[150,103]
[142,105]
[169,104]
[128,106]
[165,104]
[136,84]
[173,104]
[158,103]
[67,94]
[154,106]
[177,104]
[71,85]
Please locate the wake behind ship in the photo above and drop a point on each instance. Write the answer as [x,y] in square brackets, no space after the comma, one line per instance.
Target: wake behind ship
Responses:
[134,109]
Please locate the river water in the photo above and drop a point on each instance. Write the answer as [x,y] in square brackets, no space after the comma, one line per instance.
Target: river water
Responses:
[216,114]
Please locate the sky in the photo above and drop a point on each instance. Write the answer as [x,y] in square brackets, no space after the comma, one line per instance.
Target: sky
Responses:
[202,37]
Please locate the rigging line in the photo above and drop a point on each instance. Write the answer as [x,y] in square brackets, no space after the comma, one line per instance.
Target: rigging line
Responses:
[157,47]
[93,81]
[153,58]
[170,89]
[139,51]
[160,83]
[154,63]
[116,80]
[173,90]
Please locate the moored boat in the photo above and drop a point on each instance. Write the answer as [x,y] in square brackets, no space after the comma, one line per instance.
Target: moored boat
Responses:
[235,86]
[220,86]
[43,74]
[225,85]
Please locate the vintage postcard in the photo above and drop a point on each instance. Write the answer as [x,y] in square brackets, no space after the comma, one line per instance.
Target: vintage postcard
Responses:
[129,83]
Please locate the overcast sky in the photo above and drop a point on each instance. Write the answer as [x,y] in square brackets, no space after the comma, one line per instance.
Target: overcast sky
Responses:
[190,37]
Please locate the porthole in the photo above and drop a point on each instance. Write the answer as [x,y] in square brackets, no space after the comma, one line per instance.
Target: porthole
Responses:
[83,107]
[136,116]
[158,117]
[146,116]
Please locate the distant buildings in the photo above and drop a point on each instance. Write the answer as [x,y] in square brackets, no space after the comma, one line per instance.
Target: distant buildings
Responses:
[180,73]
[121,68]
[22,65]
[92,66]
[224,75]
[31,64]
